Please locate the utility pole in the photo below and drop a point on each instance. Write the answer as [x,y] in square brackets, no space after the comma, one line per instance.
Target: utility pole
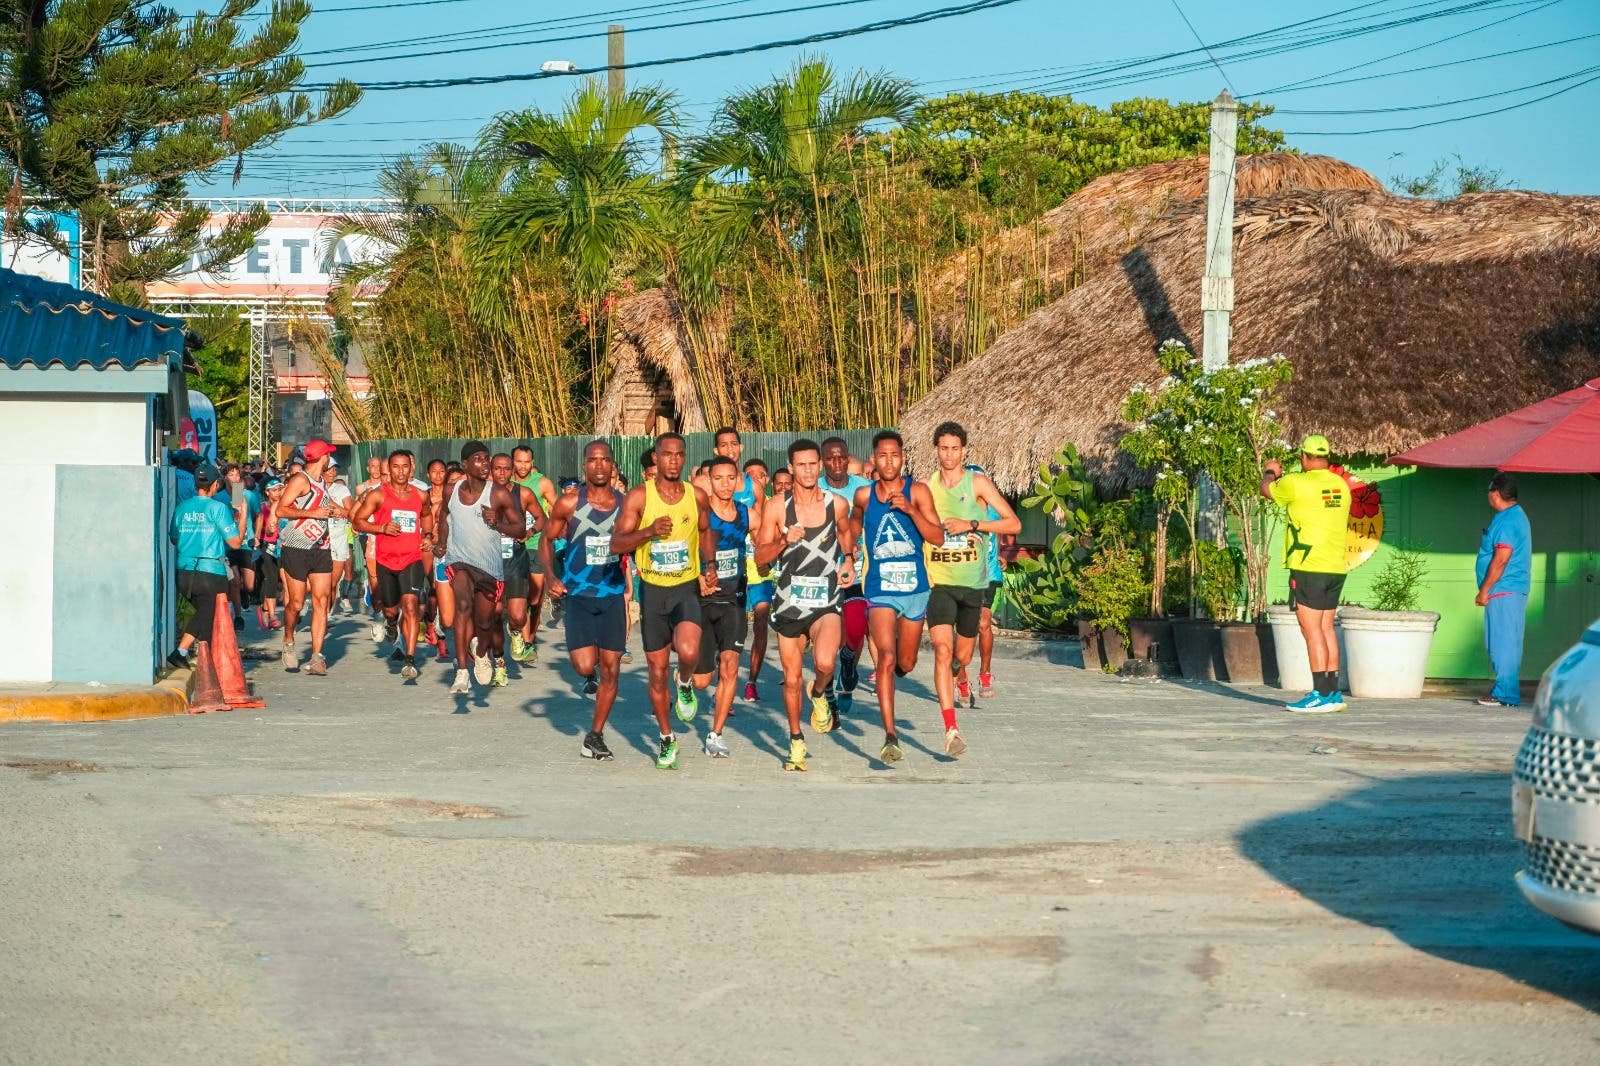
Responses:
[616,77]
[1216,287]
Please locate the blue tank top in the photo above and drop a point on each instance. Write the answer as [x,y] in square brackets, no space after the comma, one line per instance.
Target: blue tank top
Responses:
[732,536]
[588,568]
[894,549]
[746,495]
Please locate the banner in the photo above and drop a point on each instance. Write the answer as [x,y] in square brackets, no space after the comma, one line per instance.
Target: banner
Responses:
[199,430]
[294,258]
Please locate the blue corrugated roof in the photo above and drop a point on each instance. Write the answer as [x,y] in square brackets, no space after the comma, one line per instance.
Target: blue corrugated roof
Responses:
[44,322]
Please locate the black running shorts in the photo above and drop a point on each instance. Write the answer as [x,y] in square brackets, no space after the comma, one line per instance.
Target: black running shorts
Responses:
[411,580]
[1319,592]
[796,628]
[301,563]
[722,629]
[662,608]
[988,598]
[596,622]
[518,567]
[957,605]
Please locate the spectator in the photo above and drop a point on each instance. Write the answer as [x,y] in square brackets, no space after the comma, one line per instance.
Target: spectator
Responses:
[1505,577]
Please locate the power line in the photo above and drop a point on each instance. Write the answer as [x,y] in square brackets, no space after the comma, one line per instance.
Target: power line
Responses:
[1201,42]
[1445,121]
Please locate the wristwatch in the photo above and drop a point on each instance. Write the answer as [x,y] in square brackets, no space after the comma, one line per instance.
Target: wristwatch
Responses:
[974,525]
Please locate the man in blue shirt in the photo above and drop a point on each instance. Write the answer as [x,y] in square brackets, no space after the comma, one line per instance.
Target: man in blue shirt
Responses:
[1505,576]
[204,528]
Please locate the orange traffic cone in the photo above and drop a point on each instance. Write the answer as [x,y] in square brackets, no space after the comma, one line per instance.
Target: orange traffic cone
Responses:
[207,690]
[229,665]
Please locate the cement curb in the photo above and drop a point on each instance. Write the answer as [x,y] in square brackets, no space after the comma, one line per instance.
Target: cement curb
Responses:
[168,696]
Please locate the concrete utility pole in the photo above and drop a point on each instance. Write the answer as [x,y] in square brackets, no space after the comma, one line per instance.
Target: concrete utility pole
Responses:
[616,77]
[1216,289]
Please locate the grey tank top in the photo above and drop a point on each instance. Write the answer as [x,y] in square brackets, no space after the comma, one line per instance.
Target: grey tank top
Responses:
[808,578]
[471,541]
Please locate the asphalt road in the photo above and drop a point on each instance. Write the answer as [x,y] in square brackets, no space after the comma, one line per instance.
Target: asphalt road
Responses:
[1133,872]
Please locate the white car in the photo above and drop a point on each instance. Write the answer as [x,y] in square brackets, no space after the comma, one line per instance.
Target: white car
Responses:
[1555,790]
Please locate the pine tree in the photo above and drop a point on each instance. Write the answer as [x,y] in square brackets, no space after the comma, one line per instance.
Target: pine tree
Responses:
[109,109]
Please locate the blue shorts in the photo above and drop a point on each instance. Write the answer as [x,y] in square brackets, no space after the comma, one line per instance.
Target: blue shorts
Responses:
[757,594]
[912,606]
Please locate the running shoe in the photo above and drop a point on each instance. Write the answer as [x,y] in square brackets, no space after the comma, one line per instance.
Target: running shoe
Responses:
[344,605]
[986,685]
[715,747]
[954,746]
[750,692]
[498,677]
[376,631]
[687,705]
[841,705]
[823,712]
[667,759]
[443,650]
[964,690]
[555,614]
[594,747]
[462,684]
[290,658]
[797,754]
[1493,701]
[627,656]
[1332,702]
[531,655]
[433,635]
[849,677]
[482,666]
[409,670]
[318,666]
[391,632]
[261,618]
[518,646]
[1307,704]
[890,752]
[591,684]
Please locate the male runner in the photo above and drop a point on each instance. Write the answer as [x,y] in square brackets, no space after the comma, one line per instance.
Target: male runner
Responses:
[665,524]
[444,601]
[894,518]
[590,581]
[392,515]
[304,557]
[339,545]
[808,534]
[524,636]
[986,620]
[758,583]
[722,609]
[782,483]
[476,515]
[838,480]
[520,554]
[958,566]
[375,477]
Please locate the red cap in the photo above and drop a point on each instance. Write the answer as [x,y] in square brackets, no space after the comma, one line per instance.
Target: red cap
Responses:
[317,449]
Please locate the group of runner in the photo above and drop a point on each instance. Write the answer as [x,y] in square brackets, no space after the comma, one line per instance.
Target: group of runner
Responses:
[843,554]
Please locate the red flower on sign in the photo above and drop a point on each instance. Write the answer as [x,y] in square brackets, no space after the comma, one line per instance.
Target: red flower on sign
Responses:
[1365,500]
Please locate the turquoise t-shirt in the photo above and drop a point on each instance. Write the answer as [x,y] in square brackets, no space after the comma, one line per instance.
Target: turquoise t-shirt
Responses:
[1508,529]
[201,526]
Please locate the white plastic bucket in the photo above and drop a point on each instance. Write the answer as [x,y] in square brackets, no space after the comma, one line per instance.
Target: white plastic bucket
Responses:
[1386,652]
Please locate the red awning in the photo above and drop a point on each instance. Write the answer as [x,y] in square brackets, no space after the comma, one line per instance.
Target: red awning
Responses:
[1560,435]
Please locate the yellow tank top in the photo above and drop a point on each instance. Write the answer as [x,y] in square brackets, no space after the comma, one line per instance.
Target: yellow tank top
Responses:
[675,558]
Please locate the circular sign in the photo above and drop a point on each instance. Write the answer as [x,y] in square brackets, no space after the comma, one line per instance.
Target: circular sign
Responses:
[1366,519]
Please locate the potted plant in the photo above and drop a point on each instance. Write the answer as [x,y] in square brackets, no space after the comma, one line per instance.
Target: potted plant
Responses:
[1111,587]
[1385,650]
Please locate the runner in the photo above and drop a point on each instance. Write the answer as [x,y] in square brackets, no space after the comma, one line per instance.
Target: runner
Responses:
[808,534]
[958,566]
[444,600]
[838,480]
[986,621]
[782,483]
[340,538]
[665,524]
[392,515]
[524,636]
[758,584]
[205,530]
[271,574]
[519,558]
[591,582]
[894,518]
[475,516]
[722,609]
[375,477]
[304,556]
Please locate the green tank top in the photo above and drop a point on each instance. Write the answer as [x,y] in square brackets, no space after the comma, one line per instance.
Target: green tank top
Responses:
[962,559]
[531,483]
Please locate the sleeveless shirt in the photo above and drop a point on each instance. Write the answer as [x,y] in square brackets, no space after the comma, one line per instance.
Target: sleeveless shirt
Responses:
[589,569]
[893,544]
[674,559]
[732,536]
[808,579]
[962,559]
[306,532]
[471,540]
[397,553]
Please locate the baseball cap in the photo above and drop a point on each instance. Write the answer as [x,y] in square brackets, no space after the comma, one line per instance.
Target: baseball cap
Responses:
[1315,444]
[205,474]
[316,449]
[274,483]
[472,447]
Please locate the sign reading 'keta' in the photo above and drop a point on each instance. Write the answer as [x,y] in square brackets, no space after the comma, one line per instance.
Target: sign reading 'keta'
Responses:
[295,258]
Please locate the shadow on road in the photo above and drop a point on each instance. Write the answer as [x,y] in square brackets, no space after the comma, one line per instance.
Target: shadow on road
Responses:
[1429,859]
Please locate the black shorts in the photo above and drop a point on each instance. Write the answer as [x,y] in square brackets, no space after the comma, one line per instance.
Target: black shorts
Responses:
[596,622]
[301,563]
[482,583]
[200,589]
[796,628]
[957,605]
[410,580]
[662,608]
[988,598]
[723,629]
[241,558]
[271,586]
[853,592]
[1319,592]
[518,566]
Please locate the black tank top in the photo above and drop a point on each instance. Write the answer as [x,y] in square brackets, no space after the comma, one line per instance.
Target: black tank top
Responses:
[808,574]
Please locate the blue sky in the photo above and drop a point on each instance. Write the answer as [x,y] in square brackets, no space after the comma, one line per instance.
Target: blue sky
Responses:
[1034,44]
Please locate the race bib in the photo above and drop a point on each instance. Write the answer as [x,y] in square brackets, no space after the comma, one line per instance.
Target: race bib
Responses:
[956,542]
[597,552]
[527,521]
[897,576]
[669,556]
[506,546]
[727,564]
[406,520]
[809,592]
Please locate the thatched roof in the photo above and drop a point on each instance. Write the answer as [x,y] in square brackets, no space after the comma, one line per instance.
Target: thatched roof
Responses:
[651,368]
[1406,320]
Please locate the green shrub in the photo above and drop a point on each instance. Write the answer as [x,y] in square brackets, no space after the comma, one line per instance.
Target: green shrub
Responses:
[1398,585]
[1112,588]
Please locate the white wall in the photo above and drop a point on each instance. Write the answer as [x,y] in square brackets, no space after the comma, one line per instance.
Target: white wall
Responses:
[27,563]
[102,431]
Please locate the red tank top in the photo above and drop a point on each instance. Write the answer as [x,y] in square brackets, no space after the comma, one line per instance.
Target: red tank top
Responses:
[397,553]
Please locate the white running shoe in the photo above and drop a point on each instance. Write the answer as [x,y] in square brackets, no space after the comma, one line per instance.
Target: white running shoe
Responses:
[715,747]
[482,666]
[377,631]
[291,658]
[344,605]
[462,685]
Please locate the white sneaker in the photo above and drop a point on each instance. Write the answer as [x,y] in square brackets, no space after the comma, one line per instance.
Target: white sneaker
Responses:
[462,685]
[715,747]
[377,631]
[482,666]
[344,605]
[291,658]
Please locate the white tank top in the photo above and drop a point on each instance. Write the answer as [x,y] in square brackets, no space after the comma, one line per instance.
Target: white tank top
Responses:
[471,540]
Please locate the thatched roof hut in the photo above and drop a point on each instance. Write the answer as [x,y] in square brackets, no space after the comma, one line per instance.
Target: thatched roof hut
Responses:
[651,387]
[1406,320]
